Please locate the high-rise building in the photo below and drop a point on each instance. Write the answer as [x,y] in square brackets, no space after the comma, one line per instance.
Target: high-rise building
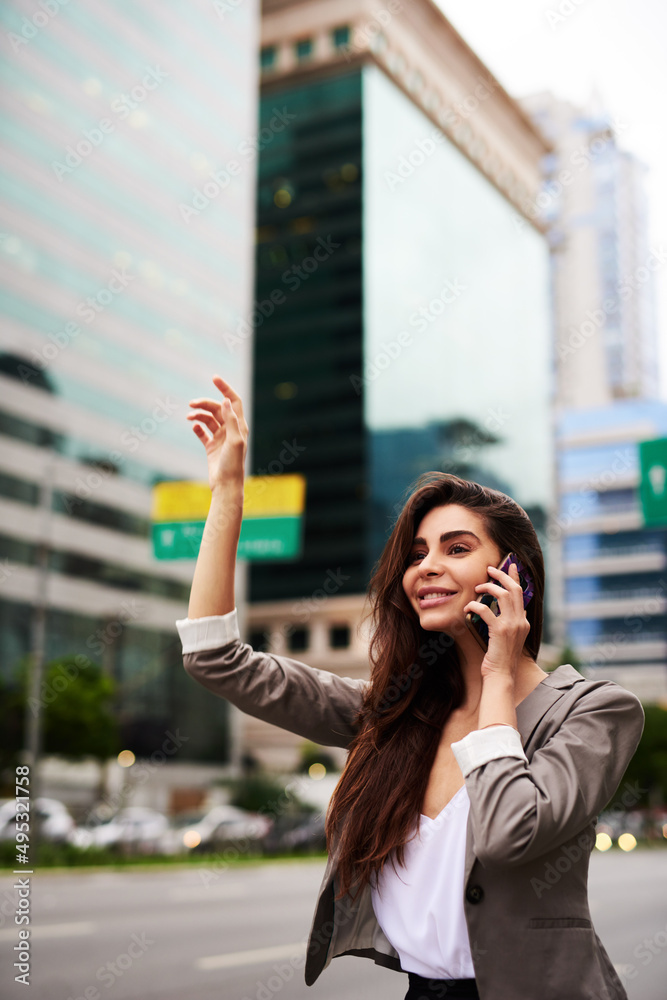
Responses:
[402,317]
[614,568]
[607,377]
[128,181]
[603,264]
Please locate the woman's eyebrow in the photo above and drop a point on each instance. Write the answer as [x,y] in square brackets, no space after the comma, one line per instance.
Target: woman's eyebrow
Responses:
[447,535]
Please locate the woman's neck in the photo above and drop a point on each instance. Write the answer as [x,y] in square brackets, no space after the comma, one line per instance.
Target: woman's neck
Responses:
[528,675]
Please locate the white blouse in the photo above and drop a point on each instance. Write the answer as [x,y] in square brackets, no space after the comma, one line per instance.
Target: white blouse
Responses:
[420,906]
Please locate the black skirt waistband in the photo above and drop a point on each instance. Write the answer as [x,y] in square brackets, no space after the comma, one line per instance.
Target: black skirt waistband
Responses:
[442,988]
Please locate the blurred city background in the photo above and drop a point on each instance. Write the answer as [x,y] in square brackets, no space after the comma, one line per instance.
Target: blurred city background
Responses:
[413,235]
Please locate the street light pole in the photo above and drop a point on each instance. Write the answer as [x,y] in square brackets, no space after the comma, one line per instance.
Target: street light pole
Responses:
[33,713]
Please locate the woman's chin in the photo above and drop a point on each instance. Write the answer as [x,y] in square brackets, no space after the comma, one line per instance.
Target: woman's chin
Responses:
[447,623]
[436,620]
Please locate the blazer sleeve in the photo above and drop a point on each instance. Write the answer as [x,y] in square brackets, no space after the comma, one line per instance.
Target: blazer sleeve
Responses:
[521,809]
[315,704]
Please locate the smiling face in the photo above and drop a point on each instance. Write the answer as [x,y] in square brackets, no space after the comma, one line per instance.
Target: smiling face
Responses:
[449,556]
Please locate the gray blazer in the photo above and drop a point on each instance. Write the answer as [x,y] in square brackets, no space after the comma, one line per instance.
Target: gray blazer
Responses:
[531,826]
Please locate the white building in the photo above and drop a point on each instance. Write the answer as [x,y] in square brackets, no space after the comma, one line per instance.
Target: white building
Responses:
[126,254]
[603,265]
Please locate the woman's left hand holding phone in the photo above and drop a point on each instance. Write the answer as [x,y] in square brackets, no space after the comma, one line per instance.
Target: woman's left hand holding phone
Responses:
[507,634]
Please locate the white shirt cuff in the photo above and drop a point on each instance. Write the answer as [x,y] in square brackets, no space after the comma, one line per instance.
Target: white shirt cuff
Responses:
[199,634]
[482,745]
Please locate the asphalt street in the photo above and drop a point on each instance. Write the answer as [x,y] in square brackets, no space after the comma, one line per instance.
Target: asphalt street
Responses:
[198,934]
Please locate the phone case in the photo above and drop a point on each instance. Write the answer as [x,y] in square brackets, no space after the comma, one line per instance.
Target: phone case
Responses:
[476,625]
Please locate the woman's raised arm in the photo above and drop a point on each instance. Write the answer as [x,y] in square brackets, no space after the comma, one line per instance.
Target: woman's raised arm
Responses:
[222,428]
[315,704]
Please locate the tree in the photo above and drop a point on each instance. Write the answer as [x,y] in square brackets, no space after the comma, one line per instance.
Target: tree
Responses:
[79,721]
[76,706]
[648,767]
[568,655]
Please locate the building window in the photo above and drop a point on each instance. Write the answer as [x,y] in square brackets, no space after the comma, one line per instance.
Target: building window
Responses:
[339,636]
[18,489]
[267,57]
[297,640]
[304,49]
[341,36]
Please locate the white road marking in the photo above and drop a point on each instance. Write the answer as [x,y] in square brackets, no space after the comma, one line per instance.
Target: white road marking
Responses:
[253,957]
[50,930]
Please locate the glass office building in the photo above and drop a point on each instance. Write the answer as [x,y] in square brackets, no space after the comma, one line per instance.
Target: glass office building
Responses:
[614,565]
[128,179]
[410,329]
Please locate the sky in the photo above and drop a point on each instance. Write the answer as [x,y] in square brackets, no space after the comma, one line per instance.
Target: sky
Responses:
[614,49]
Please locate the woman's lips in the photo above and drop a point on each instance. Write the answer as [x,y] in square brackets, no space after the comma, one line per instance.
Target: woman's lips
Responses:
[433,600]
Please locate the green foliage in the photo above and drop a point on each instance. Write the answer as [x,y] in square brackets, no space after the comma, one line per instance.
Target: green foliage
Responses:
[79,721]
[76,703]
[265,794]
[68,856]
[648,767]
[568,655]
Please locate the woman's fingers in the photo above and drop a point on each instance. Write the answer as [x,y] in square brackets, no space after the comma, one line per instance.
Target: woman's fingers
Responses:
[215,414]
[507,584]
[201,433]
[226,389]
[232,423]
[234,398]
[205,418]
[496,590]
[213,406]
[229,393]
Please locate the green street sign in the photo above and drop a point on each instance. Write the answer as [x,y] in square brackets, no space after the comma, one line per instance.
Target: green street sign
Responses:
[271,526]
[262,538]
[653,483]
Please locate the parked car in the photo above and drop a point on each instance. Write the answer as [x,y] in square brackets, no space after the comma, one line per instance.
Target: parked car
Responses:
[295,831]
[219,827]
[309,836]
[133,828]
[617,822]
[55,821]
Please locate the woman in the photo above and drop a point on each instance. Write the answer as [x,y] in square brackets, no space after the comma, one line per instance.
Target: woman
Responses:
[460,830]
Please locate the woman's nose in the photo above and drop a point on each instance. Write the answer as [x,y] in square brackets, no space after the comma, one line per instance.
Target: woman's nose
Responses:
[429,566]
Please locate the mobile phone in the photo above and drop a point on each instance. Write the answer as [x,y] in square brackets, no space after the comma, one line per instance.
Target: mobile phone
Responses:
[476,625]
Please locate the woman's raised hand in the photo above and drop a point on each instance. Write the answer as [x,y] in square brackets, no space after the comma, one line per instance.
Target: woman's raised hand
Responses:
[222,428]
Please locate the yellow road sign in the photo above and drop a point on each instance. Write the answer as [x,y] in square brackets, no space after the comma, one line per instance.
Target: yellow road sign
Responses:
[263,496]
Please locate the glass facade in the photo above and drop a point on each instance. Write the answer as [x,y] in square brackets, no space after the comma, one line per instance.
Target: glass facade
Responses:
[152,691]
[442,363]
[600,486]
[308,329]
[127,170]
[457,372]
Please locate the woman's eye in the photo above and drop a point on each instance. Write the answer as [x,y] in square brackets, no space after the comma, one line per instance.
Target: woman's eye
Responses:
[416,556]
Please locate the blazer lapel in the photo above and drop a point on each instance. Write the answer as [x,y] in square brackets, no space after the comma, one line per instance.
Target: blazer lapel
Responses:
[529,712]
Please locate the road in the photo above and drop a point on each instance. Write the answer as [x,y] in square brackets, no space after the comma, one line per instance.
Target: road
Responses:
[195,934]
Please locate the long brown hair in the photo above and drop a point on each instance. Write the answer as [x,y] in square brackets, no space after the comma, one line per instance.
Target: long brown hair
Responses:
[415,684]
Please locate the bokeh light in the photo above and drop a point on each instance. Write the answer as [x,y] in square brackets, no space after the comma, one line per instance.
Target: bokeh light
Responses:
[282,198]
[603,842]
